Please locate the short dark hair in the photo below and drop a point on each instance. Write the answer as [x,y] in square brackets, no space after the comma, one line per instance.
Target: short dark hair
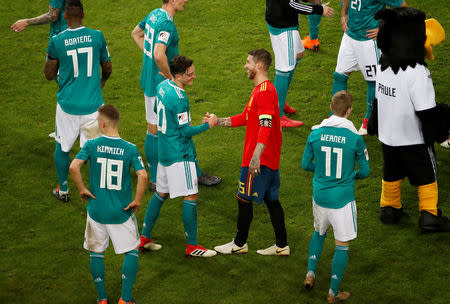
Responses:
[110,112]
[74,8]
[263,56]
[179,64]
[165,1]
[341,102]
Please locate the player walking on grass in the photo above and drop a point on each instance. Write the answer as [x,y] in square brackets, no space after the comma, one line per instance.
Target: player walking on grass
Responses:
[157,36]
[358,50]
[331,151]
[110,208]
[78,53]
[282,21]
[176,168]
[259,178]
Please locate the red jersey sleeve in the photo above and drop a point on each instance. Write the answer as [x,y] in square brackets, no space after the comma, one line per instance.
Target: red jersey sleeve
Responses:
[265,102]
[238,120]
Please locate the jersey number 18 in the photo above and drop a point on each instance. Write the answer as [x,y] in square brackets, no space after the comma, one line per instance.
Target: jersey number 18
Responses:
[110,168]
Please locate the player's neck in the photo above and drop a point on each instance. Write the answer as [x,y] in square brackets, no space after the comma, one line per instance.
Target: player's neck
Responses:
[170,9]
[178,83]
[73,24]
[260,78]
[111,132]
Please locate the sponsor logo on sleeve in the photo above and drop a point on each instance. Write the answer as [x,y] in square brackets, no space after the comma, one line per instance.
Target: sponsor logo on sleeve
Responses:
[183,118]
[366,153]
[164,36]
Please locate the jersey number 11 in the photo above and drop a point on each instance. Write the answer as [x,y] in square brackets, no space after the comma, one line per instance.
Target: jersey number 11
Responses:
[338,152]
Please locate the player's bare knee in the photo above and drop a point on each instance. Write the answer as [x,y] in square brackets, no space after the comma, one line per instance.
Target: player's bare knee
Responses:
[192,197]
[340,243]
[300,55]
[163,195]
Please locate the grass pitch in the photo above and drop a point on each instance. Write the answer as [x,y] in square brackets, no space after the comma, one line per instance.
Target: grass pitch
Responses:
[41,238]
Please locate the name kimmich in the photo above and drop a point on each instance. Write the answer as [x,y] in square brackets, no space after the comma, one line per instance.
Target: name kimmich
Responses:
[110,150]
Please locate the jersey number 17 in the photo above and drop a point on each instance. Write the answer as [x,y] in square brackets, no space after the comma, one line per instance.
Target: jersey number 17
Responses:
[74,54]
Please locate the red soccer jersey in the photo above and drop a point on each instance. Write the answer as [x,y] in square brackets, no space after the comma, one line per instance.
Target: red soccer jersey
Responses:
[262,118]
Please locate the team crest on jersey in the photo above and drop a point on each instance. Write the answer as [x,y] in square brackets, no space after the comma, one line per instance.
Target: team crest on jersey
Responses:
[163,36]
[183,118]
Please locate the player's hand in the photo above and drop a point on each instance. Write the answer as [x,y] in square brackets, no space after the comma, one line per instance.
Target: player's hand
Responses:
[254,166]
[19,25]
[206,117]
[136,206]
[85,194]
[372,34]
[327,11]
[344,23]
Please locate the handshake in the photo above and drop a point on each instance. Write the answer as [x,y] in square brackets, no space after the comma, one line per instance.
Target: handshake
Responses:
[210,118]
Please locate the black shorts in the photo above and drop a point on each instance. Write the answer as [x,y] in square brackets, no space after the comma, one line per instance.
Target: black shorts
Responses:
[417,162]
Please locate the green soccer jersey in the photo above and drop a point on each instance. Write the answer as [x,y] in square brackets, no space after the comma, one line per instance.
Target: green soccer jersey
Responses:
[60,24]
[175,142]
[331,153]
[361,16]
[109,177]
[159,28]
[79,53]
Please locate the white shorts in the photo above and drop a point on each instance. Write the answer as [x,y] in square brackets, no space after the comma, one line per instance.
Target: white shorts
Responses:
[342,220]
[178,179]
[69,126]
[150,113]
[286,46]
[125,236]
[357,55]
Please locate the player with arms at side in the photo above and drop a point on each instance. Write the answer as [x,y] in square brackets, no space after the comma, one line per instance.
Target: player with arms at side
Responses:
[358,50]
[176,168]
[78,53]
[157,36]
[282,22]
[110,208]
[331,151]
[259,178]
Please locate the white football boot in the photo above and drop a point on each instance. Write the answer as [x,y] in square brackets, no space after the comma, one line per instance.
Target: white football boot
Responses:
[231,248]
[275,250]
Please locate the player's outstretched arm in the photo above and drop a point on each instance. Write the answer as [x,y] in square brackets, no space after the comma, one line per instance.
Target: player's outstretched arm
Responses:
[50,16]
[138,36]
[140,190]
[51,68]
[75,172]
[224,122]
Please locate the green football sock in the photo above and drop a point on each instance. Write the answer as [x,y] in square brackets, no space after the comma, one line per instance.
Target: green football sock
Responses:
[315,250]
[338,266]
[129,273]
[62,163]
[282,85]
[151,154]
[98,274]
[314,23]
[339,82]
[152,214]
[370,98]
[189,215]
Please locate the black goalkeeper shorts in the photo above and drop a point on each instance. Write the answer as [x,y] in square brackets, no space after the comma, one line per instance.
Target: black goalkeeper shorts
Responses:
[417,162]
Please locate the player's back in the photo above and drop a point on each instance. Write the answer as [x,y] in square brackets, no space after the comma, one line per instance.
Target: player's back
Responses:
[173,114]
[79,53]
[335,151]
[159,28]
[361,16]
[110,179]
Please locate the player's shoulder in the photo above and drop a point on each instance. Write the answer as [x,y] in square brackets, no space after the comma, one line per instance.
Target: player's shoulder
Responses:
[169,89]
[266,87]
